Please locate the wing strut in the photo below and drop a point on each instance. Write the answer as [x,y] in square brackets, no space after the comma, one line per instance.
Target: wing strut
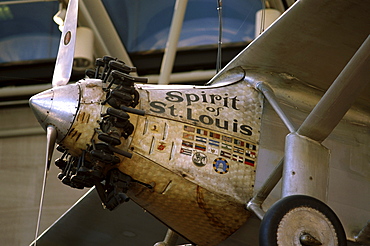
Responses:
[339,97]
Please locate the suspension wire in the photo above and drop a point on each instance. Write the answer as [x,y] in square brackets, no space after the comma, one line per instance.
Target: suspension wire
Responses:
[219,9]
[262,27]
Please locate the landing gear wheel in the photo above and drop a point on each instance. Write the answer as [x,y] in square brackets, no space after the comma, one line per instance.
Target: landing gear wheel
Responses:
[301,221]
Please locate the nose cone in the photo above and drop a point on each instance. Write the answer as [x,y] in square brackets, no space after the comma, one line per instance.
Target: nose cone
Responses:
[58,107]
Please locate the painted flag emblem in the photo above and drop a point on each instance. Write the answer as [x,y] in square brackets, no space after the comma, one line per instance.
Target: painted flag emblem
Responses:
[202,132]
[238,158]
[214,142]
[189,128]
[226,146]
[214,135]
[201,139]
[212,150]
[227,139]
[251,154]
[225,154]
[185,151]
[187,144]
[238,150]
[188,136]
[251,146]
[249,162]
[238,142]
[200,147]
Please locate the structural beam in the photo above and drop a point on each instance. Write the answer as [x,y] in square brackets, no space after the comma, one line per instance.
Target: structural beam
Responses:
[339,97]
[173,38]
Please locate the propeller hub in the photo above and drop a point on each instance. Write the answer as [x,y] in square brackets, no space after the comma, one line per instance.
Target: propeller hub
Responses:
[57,107]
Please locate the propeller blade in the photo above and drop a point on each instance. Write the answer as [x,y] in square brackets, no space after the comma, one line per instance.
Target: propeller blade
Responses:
[51,136]
[64,63]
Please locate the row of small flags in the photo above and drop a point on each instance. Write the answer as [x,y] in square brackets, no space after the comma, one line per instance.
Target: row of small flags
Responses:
[213,147]
[237,158]
[234,152]
[189,129]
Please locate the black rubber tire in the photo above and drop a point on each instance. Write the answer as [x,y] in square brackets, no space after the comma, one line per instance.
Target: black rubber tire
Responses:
[268,235]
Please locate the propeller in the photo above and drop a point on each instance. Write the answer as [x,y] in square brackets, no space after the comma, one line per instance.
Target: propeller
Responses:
[51,136]
[47,104]
[64,63]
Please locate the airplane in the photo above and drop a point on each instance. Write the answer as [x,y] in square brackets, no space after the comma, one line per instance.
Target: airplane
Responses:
[278,139]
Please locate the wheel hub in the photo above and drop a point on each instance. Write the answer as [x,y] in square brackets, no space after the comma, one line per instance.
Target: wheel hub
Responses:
[307,239]
[305,226]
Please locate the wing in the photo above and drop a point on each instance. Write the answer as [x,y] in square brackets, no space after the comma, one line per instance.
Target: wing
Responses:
[313,42]
[87,223]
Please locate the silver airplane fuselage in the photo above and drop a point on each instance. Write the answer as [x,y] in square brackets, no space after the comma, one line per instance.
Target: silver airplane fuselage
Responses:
[205,150]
